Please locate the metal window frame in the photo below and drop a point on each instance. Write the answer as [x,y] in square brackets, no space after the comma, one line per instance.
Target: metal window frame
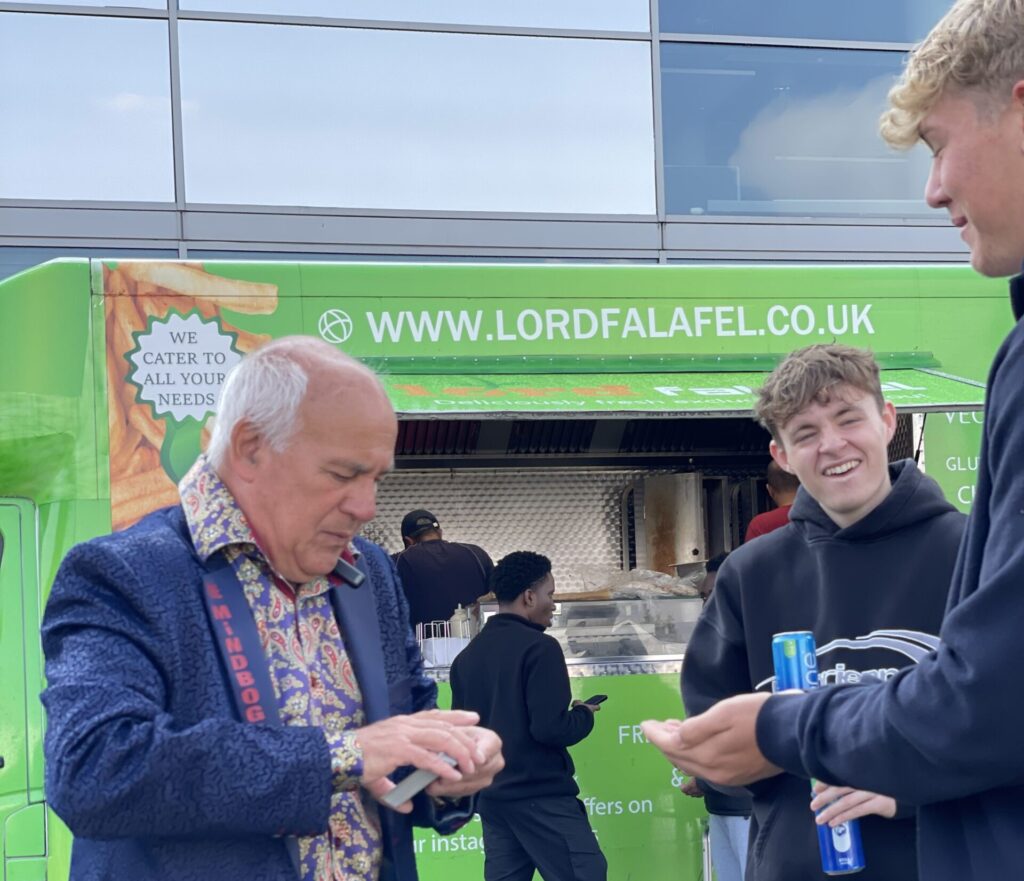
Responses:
[666,241]
[395,232]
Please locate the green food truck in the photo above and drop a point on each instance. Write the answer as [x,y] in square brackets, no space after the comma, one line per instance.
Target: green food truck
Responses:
[599,414]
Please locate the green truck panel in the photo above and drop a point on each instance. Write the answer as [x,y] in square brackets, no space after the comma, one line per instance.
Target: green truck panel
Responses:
[111,370]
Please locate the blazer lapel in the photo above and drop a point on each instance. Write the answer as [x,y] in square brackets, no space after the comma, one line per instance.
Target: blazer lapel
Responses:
[356,610]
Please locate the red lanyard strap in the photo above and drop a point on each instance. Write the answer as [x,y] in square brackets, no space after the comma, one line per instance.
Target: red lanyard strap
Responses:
[238,641]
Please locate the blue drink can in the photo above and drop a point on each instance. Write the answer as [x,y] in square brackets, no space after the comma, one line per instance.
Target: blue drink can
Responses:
[796,666]
[796,661]
[841,850]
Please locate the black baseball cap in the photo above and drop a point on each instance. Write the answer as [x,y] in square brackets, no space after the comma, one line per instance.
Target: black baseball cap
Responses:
[418,521]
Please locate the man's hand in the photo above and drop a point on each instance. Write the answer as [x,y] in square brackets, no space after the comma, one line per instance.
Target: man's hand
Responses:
[489,762]
[594,708]
[689,787]
[417,740]
[839,804]
[719,745]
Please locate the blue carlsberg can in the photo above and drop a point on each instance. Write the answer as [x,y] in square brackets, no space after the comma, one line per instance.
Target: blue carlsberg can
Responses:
[796,667]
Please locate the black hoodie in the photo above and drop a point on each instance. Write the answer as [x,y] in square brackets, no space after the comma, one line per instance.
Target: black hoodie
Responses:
[513,674]
[873,594]
[946,734]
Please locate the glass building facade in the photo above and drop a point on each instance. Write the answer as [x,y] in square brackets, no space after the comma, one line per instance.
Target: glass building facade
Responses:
[546,130]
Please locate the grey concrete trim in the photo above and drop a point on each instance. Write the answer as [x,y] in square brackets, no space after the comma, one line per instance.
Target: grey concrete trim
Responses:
[401,232]
[813,238]
[814,257]
[106,11]
[111,244]
[412,251]
[932,219]
[432,27]
[317,210]
[936,218]
[196,249]
[477,236]
[792,42]
[85,223]
[717,257]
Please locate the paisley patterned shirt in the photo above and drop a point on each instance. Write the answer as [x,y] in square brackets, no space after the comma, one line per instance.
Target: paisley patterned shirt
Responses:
[313,678]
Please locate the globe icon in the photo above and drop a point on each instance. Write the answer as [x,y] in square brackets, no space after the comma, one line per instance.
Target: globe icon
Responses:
[335,326]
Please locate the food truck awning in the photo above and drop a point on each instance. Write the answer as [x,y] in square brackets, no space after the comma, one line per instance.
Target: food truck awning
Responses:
[642,394]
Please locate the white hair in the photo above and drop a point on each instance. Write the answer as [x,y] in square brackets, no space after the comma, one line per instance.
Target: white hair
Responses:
[264,389]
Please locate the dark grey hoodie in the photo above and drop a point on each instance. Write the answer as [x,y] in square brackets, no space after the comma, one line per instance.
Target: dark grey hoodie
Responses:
[873,594]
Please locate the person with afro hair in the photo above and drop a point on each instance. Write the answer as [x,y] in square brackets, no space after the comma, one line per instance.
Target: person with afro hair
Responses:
[513,674]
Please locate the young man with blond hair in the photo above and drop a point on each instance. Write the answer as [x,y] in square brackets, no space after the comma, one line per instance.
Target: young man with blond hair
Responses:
[864,562]
[944,735]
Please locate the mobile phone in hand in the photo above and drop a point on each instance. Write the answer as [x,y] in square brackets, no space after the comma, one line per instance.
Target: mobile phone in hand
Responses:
[414,784]
[596,699]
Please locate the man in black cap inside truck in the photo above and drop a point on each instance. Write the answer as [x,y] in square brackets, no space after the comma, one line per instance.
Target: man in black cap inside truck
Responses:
[439,575]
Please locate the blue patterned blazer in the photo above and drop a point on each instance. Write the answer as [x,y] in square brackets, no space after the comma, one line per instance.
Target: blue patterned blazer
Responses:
[147,759]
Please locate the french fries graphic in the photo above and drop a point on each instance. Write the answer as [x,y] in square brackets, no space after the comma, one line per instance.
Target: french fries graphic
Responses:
[135,292]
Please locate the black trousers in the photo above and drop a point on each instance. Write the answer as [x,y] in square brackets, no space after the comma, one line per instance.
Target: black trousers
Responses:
[551,835]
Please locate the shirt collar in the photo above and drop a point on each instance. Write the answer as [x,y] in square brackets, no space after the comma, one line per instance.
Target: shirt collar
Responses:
[518,619]
[214,519]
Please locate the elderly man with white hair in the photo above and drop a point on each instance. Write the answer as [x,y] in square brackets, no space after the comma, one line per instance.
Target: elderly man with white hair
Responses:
[232,680]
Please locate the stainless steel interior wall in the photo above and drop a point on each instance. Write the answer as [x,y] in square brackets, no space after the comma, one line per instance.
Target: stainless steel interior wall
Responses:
[570,515]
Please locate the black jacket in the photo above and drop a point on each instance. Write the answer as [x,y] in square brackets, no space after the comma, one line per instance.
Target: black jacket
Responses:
[439,575]
[873,594]
[514,676]
[946,735]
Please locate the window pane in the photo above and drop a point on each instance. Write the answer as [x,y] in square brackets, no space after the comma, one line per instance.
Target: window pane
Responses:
[86,108]
[355,118]
[892,21]
[779,131]
[610,15]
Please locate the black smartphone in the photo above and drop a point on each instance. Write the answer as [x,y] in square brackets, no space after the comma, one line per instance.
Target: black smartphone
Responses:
[596,699]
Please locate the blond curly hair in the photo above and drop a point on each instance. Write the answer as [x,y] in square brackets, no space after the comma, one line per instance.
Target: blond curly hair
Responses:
[977,47]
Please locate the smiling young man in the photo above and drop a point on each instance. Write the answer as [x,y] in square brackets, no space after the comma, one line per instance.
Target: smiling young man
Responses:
[864,562]
[944,735]
[513,674]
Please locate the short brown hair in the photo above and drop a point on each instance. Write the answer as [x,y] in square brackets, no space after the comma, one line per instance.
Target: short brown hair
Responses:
[977,47]
[807,376]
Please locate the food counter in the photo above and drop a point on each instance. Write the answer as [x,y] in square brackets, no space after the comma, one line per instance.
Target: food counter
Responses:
[630,650]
